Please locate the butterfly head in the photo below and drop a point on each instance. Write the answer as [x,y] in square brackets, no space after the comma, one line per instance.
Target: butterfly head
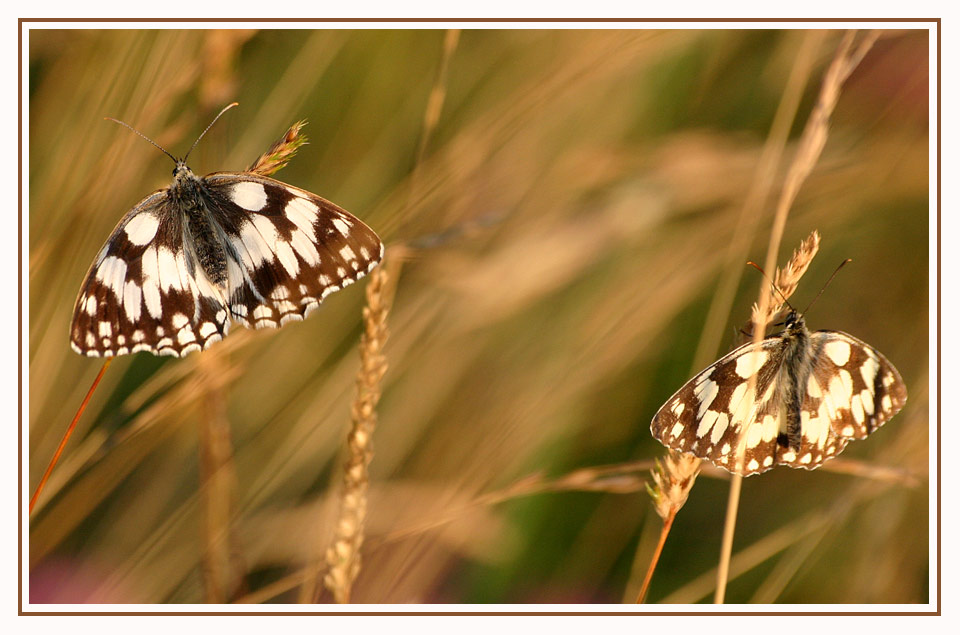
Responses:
[793,322]
[181,170]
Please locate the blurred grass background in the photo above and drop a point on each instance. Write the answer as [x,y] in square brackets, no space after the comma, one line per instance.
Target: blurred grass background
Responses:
[563,227]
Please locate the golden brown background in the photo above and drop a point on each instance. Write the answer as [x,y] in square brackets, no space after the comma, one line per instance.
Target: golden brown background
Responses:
[563,206]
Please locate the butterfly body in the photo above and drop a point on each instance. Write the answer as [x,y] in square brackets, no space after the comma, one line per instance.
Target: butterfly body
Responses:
[795,399]
[229,246]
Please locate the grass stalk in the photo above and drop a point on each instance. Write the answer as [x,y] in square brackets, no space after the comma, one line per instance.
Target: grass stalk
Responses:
[810,148]
[68,434]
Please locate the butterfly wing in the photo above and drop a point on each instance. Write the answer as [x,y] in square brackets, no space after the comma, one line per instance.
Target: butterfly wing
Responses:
[716,411]
[145,292]
[853,388]
[288,248]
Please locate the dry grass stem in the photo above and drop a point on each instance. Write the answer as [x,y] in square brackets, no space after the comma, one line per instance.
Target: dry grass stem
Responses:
[811,145]
[343,556]
[223,570]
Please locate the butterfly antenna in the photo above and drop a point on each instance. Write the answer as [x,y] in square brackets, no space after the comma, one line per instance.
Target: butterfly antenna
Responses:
[229,106]
[775,287]
[160,147]
[824,287]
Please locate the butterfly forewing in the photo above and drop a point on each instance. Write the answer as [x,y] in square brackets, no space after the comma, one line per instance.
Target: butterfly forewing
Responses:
[290,248]
[834,386]
[264,253]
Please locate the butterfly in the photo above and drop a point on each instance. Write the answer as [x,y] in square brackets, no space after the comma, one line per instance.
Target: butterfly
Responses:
[189,259]
[811,393]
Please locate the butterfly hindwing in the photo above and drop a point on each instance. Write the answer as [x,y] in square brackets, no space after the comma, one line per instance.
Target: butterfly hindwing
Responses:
[852,385]
[830,385]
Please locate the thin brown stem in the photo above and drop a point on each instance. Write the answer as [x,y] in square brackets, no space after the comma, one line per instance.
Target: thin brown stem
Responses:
[664,532]
[67,434]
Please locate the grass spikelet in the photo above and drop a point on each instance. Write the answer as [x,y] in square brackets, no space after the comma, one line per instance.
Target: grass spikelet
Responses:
[673,478]
[280,153]
[787,278]
[343,556]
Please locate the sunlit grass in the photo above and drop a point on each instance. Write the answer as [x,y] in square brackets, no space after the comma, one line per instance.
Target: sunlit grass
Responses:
[564,222]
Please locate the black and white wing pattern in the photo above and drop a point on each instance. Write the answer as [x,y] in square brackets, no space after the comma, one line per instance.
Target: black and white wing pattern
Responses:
[189,259]
[812,393]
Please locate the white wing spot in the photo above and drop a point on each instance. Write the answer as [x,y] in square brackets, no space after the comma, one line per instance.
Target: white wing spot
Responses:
[866,397]
[705,393]
[706,422]
[847,430]
[841,389]
[207,329]
[754,435]
[185,336]
[886,403]
[813,388]
[806,458]
[869,371]
[341,226]
[190,348]
[112,272]
[676,430]
[179,320]
[91,306]
[304,246]
[750,362]
[249,195]
[719,428]
[678,407]
[838,351]
[743,400]
[169,273]
[303,214]
[768,460]
[287,258]
[105,329]
[142,228]
[856,408]
[753,465]
[131,300]
[771,426]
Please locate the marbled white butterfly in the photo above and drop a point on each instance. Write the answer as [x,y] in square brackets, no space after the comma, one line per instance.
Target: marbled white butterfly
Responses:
[812,393]
[190,258]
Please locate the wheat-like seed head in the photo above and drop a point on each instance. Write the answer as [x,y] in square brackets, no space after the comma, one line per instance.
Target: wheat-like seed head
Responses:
[786,279]
[673,479]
